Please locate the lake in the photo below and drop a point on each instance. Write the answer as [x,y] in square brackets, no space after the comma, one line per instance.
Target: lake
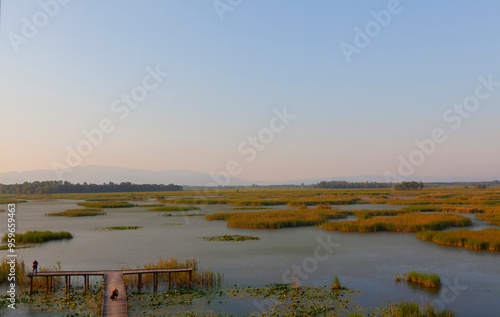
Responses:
[367,262]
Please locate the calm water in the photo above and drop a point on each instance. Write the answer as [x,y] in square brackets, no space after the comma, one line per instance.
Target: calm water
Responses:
[366,262]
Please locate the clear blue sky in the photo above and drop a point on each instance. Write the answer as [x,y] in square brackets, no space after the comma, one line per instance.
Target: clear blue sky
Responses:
[226,77]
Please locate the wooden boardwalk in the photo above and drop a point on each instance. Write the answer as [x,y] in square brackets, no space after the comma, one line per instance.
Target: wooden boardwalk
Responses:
[116,307]
[111,279]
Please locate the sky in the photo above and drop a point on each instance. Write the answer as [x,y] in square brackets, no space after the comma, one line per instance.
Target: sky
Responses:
[259,90]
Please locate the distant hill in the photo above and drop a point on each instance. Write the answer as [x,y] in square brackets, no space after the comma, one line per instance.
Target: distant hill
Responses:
[104,174]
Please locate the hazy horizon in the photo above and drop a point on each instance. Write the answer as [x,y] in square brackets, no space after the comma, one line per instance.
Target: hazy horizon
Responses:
[104,174]
[260,90]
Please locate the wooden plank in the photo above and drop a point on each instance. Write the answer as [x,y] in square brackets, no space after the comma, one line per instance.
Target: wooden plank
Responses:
[118,307]
[140,271]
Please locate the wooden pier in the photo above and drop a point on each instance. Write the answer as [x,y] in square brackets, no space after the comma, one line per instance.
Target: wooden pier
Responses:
[111,279]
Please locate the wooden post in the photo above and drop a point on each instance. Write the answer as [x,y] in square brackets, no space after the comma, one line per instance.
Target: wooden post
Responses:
[69,281]
[85,284]
[66,283]
[139,282]
[190,279]
[47,289]
[50,284]
[156,281]
[31,283]
[169,280]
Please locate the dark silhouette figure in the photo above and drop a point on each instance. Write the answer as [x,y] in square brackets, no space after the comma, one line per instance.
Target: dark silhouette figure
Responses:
[114,294]
[35,267]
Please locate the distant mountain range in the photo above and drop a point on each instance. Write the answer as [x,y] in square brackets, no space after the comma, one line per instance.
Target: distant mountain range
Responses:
[105,174]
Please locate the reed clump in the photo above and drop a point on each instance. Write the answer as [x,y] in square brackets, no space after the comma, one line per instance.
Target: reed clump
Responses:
[324,201]
[336,284]
[21,273]
[11,201]
[401,223]
[182,215]
[493,219]
[425,279]
[441,208]
[106,204]
[77,213]
[365,214]
[235,237]
[120,228]
[200,278]
[39,236]
[412,309]
[491,215]
[276,219]
[486,239]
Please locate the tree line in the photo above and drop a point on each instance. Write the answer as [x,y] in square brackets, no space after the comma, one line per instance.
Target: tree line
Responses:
[409,186]
[344,184]
[60,187]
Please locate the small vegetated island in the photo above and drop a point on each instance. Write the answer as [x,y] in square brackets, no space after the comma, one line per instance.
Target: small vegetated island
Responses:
[486,239]
[425,279]
[119,228]
[401,223]
[106,204]
[236,237]
[78,213]
[39,236]
[276,219]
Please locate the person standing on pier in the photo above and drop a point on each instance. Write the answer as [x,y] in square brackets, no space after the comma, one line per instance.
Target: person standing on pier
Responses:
[114,294]
[35,267]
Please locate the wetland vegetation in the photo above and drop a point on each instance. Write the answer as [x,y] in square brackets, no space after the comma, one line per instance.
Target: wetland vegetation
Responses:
[401,223]
[39,236]
[119,228]
[412,309]
[426,211]
[235,237]
[425,279]
[77,213]
[276,219]
[106,204]
[486,239]
[200,278]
